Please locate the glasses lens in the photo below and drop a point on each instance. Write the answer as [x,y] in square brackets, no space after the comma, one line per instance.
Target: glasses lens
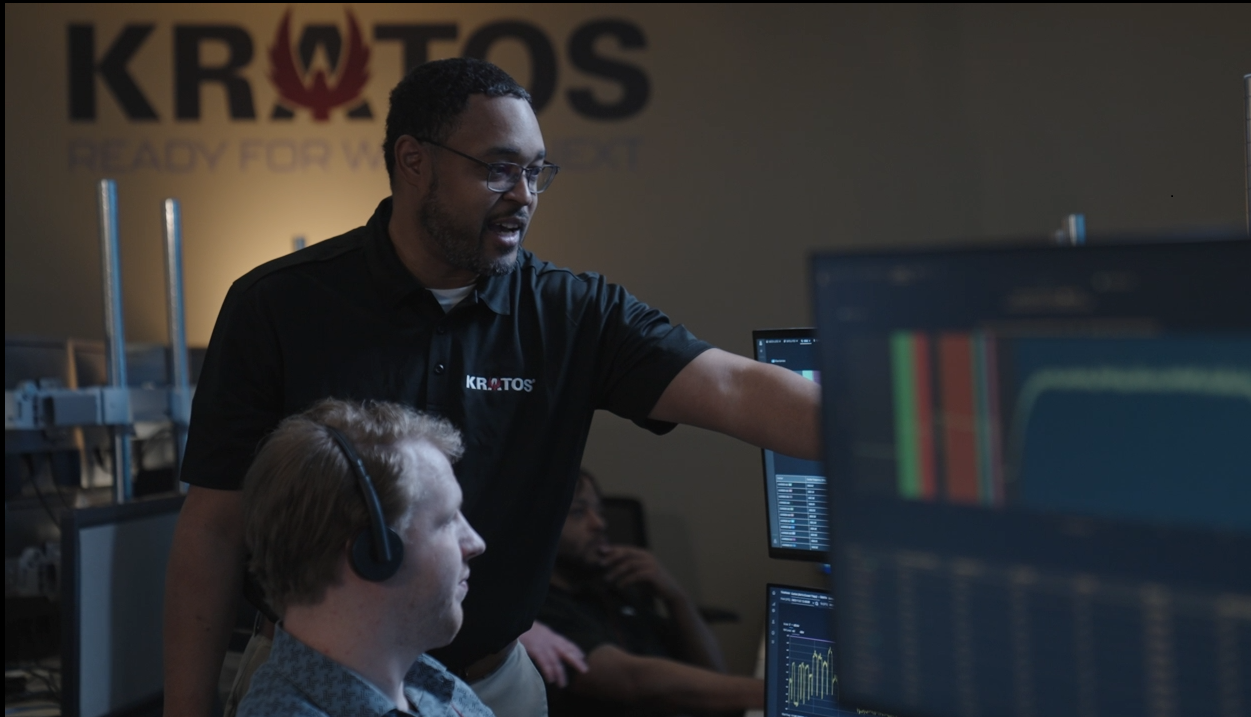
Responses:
[544,177]
[503,176]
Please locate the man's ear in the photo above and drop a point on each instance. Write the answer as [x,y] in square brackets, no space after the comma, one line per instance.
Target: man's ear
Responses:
[343,566]
[411,160]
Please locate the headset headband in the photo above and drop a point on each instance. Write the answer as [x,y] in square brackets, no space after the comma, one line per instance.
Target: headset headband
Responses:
[377,524]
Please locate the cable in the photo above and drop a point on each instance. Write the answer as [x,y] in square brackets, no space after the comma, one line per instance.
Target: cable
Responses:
[43,674]
[61,496]
[34,482]
[99,456]
[56,486]
[49,676]
[46,678]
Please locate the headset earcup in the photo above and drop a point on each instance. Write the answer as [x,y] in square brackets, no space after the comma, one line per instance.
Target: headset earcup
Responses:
[366,565]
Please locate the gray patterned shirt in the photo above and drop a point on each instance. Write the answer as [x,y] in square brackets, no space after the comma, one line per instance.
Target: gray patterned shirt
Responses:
[297,680]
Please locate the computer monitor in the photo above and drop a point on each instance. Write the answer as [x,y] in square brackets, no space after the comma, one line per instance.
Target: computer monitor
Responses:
[112,595]
[1040,463]
[801,664]
[795,490]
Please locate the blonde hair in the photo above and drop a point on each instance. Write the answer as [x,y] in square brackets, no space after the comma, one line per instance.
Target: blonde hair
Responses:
[301,501]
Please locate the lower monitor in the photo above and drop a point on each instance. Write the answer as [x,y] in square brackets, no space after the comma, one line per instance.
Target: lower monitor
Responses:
[801,664]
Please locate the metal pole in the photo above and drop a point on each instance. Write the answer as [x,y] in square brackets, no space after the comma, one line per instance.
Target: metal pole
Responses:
[1072,231]
[114,331]
[1246,86]
[180,373]
[1075,225]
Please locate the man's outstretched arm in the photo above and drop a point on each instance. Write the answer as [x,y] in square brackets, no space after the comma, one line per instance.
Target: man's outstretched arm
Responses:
[662,684]
[756,402]
[202,587]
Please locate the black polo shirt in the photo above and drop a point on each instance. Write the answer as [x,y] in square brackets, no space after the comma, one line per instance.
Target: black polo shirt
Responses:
[519,366]
[599,614]
[596,614]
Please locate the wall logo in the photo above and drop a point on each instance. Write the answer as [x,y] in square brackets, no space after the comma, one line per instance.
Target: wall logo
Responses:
[480,383]
[319,95]
[342,86]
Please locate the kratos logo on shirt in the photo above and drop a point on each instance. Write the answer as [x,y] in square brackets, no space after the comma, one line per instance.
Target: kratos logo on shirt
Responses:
[480,383]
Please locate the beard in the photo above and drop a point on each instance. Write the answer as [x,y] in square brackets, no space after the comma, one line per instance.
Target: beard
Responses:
[460,246]
[579,570]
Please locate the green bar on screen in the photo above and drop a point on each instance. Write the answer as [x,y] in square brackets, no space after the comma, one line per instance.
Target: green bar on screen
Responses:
[903,373]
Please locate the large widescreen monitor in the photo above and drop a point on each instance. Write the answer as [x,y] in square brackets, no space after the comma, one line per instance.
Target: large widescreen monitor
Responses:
[795,491]
[1040,464]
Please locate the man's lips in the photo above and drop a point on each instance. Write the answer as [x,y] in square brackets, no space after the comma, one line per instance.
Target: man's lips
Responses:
[512,224]
[597,548]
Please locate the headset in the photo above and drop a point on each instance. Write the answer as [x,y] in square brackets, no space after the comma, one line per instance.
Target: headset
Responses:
[377,550]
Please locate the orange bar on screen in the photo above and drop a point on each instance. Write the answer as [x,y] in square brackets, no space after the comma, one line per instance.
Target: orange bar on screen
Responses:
[955,365]
[925,418]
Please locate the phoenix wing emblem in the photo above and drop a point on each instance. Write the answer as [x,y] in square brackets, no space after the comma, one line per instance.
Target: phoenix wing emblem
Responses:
[318,95]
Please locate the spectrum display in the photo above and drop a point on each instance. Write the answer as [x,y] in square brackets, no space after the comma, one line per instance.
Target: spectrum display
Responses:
[953,376]
[1040,478]
[1061,423]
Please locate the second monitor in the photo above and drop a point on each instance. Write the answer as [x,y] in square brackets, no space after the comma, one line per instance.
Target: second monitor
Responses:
[795,489]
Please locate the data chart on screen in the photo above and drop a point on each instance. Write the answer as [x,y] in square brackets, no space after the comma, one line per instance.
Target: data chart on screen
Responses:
[801,670]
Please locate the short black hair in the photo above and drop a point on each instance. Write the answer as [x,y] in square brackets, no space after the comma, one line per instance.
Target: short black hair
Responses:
[428,100]
[589,477]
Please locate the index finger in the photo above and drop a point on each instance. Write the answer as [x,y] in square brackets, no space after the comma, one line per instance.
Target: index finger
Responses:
[554,673]
[573,656]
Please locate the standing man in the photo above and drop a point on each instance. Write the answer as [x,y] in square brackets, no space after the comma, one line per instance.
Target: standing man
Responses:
[434,304]
[328,489]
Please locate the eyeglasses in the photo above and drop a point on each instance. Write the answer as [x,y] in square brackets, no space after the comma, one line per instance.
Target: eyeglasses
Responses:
[503,176]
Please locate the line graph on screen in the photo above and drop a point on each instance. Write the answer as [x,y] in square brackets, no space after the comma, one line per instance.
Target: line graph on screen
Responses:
[811,682]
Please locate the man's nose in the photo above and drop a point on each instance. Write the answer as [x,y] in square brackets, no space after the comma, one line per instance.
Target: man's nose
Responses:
[473,544]
[521,192]
[597,521]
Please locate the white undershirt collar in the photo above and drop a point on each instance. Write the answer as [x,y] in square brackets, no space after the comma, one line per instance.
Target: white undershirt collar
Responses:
[449,298]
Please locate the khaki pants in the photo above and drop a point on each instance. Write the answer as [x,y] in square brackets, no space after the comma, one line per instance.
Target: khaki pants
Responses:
[515,689]
[254,655]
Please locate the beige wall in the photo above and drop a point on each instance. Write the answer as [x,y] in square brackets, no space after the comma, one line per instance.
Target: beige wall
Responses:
[770,131]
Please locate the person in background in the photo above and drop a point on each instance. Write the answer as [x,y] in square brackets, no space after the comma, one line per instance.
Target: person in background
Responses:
[647,649]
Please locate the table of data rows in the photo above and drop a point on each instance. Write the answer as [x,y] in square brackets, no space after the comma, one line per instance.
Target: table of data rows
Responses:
[803,523]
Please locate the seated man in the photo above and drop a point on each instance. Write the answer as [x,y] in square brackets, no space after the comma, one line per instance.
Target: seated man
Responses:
[353,518]
[604,598]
